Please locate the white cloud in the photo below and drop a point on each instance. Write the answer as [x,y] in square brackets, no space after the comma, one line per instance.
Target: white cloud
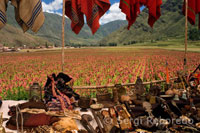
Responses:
[113,14]
[53,6]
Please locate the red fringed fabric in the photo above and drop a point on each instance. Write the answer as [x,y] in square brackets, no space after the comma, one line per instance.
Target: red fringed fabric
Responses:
[154,11]
[198,10]
[73,11]
[93,9]
[193,9]
[131,8]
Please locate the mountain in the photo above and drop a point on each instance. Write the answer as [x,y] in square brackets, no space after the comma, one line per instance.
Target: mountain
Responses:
[170,25]
[50,32]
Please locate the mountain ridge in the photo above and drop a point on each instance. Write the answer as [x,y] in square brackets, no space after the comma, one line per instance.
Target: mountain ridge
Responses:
[50,32]
[171,24]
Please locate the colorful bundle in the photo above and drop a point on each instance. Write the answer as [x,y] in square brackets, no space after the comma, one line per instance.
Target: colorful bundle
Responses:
[58,95]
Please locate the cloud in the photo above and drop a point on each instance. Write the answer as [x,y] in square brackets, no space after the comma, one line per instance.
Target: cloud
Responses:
[53,6]
[113,14]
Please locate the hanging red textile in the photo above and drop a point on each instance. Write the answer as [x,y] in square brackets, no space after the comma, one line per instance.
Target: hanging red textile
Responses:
[154,11]
[198,10]
[73,11]
[94,10]
[131,8]
[193,9]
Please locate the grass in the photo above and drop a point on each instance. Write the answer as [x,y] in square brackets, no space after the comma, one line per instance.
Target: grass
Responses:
[177,46]
[18,93]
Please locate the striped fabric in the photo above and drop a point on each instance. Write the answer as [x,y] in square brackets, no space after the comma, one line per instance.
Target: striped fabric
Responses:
[2,17]
[3,5]
[28,14]
[73,11]
[36,11]
[55,105]
[94,10]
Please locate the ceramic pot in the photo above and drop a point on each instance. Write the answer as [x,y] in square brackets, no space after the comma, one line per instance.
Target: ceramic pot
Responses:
[84,103]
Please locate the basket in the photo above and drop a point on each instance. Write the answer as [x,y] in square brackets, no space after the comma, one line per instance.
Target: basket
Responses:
[103,97]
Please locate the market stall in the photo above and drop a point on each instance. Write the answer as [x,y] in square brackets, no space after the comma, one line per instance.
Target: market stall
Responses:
[122,107]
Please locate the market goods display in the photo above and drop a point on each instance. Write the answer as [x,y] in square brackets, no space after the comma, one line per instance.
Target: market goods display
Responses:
[174,107]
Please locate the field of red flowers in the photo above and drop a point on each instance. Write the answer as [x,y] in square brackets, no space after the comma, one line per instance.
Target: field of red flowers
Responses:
[90,66]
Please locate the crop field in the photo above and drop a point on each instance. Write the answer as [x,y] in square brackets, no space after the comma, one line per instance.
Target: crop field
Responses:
[94,66]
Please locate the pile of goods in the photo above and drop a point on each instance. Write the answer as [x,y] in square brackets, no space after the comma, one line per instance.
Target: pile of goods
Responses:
[173,108]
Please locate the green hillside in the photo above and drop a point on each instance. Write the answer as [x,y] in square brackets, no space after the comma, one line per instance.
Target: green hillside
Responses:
[51,32]
[171,25]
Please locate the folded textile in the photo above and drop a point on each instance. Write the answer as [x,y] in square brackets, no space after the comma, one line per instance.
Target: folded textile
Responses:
[28,14]
[3,7]
[31,120]
[55,105]
[93,9]
[193,9]
[131,8]
[30,105]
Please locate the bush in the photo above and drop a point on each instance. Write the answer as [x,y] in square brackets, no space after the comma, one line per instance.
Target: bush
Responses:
[194,34]
[18,93]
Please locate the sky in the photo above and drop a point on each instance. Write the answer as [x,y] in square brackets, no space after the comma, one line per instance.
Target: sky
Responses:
[114,13]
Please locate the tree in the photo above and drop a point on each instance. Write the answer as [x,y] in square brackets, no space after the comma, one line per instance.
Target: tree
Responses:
[194,34]
[46,45]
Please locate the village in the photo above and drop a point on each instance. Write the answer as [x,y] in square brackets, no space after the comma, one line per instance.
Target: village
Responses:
[27,49]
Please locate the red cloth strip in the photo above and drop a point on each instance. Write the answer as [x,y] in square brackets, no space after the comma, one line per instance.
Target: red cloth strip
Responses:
[131,8]
[73,11]
[191,11]
[154,11]
[94,10]
[198,10]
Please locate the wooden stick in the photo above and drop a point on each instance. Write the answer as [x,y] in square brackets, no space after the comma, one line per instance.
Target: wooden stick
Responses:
[97,121]
[112,85]
[186,37]
[63,36]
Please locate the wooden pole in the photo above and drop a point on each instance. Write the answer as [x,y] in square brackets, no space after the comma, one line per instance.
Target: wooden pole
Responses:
[186,36]
[126,84]
[63,36]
